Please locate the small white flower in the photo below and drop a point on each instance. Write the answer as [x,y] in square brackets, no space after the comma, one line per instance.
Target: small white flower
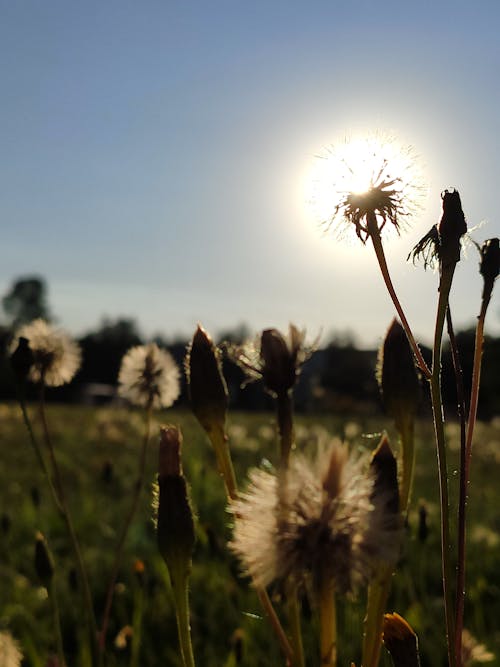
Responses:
[149,376]
[56,356]
[10,653]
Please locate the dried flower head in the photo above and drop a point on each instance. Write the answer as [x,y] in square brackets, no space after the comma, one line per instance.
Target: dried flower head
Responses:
[367,178]
[442,243]
[55,356]
[149,377]
[10,653]
[315,521]
[473,652]
[274,358]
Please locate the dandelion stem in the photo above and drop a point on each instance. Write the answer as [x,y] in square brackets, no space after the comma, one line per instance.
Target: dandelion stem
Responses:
[284,413]
[379,252]
[438,417]
[328,623]
[57,623]
[407,435]
[137,626]
[181,596]
[65,513]
[219,440]
[295,625]
[376,606]
[124,532]
[465,474]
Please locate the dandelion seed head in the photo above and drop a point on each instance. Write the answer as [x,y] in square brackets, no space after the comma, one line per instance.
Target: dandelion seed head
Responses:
[10,652]
[56,356]
[473,652]
[371,175]
[149,376]
[312,521]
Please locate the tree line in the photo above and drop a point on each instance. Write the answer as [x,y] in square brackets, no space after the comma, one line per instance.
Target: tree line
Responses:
[338,378]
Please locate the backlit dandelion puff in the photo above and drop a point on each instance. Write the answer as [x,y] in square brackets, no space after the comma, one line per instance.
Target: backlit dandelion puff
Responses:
[149,376]
[10,652]
[56,357]
[362,177]
[316,521]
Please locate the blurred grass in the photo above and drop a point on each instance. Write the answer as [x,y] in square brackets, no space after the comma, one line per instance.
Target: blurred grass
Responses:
[98,450]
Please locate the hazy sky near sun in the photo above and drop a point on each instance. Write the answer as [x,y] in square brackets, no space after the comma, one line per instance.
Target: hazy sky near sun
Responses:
[155,155]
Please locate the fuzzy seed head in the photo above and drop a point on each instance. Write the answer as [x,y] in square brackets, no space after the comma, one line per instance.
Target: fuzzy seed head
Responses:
[55,356]
[149,376]
[10,652]
[313,520]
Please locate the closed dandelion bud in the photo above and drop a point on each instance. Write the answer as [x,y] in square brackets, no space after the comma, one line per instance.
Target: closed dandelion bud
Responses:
[22,359]
[489,266]
[385,487]
[401,641]
[452,227]
[44,563]
[238,641]
[397,376]
[207,387]
[175,526]
[279,371]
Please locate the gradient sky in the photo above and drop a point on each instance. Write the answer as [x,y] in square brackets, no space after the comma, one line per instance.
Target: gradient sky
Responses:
[156,155]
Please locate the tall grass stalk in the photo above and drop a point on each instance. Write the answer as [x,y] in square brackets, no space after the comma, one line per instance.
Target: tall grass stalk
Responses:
[125,529]
[66,515]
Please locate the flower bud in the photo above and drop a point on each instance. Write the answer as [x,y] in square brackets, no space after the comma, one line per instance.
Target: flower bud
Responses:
[385,487]
[401,641]
[175,525]
[279,361]
[452,227]
[44,563]
[489,266]
[397,376]
[22,359]
[207,387]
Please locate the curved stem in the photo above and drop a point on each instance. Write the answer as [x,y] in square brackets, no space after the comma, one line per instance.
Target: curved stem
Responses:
[180,591]
[124,532]
[438,417]
[465,473]
[328,624]
[379,252]
[65,513]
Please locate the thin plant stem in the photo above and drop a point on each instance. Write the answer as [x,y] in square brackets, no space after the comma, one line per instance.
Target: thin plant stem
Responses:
[465,474]
[65,513]
[57,623]
[407,435]
[379,252]
[36,446]
[376,606]
[295,625]
[438,418]
[328,623]
[137,627]
[284,415]
[460,577]
[125,529]
[219,440]
[180,591]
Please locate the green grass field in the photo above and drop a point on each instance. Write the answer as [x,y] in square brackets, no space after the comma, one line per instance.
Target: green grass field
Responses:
[98,448]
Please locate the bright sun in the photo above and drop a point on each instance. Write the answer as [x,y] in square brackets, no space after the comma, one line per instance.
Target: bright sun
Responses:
[358,166]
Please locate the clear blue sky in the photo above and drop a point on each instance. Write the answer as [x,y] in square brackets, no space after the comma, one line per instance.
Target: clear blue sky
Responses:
[154,154]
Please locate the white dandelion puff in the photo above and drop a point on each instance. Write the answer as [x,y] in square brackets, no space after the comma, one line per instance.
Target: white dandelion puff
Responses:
[314,521]
[149,376]
[10,652]
[56,356]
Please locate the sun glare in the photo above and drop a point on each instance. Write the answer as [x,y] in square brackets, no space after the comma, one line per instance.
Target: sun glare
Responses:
[354,169]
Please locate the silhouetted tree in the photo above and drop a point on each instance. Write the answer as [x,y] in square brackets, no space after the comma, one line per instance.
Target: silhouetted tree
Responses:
[26,300]
[103,349]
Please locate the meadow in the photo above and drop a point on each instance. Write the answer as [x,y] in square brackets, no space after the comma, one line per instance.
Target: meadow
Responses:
[98,450]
